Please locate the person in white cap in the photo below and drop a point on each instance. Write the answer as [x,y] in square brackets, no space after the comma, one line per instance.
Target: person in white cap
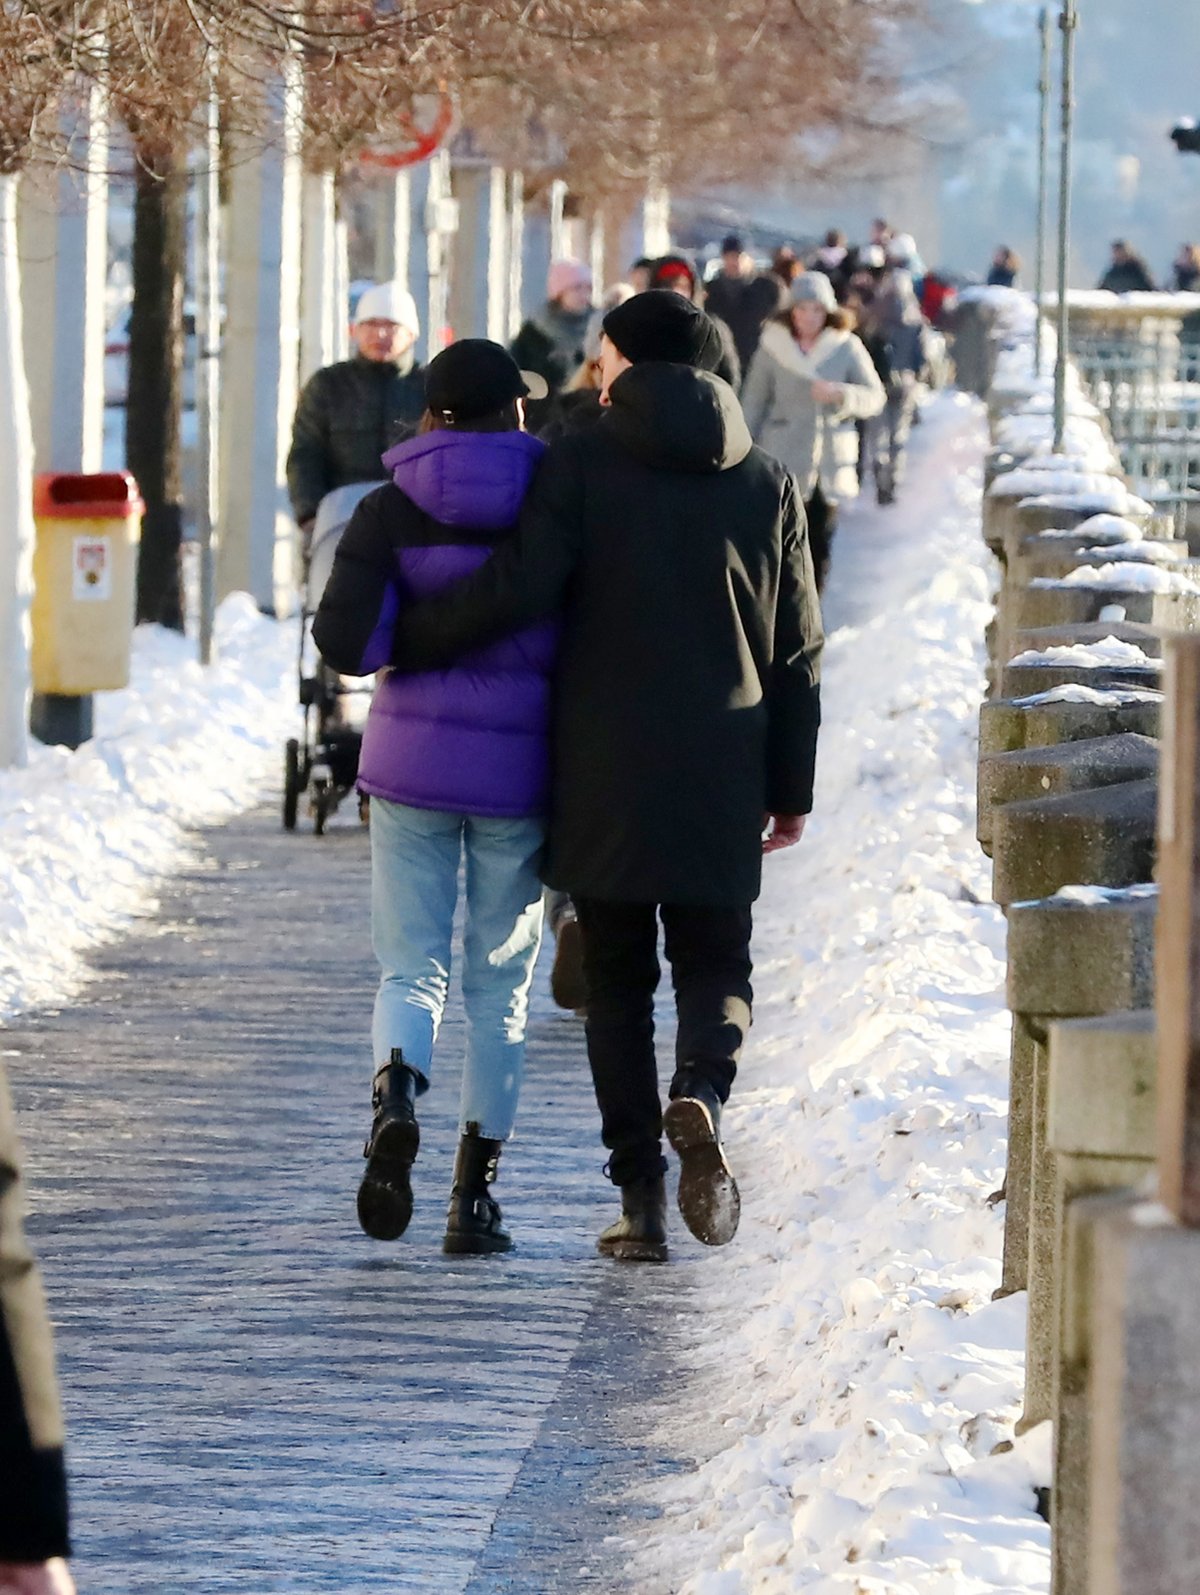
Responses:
[352,412]
[551,342]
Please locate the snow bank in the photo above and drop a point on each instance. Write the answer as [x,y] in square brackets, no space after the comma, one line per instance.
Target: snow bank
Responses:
[847,1340]
[85,837]
[1126,575]
[1070,693]
[1109,651]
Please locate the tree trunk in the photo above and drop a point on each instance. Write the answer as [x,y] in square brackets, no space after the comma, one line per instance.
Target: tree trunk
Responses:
[16,496]
[152,414]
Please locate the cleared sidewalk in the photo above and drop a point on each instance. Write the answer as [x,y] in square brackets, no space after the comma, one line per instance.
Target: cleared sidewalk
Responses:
[259,1398]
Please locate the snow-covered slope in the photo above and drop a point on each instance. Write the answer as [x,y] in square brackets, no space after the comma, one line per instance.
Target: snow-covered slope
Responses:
[847,1339]
[85,837]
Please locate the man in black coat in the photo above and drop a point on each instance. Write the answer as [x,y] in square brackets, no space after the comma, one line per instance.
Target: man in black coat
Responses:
[743,298]
[33,1497]
[687,707]
[351,412]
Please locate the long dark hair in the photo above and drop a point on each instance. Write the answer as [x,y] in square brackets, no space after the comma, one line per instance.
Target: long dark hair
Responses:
[506,419]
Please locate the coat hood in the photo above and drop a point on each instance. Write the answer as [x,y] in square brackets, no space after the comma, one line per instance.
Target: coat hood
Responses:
[476,479]
[678,418]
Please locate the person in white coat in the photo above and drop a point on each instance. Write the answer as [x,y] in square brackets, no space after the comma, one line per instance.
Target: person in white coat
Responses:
[808,383]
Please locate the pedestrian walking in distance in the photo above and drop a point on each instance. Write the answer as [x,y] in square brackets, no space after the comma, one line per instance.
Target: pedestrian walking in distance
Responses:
[456,763]
[350,412]
[808,383]
[743,298]
[552,341]
[1127,272]
[685,724]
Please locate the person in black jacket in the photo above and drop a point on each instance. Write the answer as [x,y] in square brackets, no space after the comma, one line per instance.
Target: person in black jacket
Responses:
[34,1537]
[351,412]
[743,298]
[1127,273]
[686,715]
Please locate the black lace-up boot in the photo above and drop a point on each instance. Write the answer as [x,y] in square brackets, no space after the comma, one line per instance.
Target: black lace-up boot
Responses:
[385,1195]
[640,1234]
[474,1223]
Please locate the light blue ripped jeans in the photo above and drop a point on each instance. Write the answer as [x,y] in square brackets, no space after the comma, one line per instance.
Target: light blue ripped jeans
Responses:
[415,857]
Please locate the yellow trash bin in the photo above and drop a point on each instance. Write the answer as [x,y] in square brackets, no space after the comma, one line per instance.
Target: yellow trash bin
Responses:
[85,580]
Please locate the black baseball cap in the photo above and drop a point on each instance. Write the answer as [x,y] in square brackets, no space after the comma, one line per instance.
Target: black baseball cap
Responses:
[476,377]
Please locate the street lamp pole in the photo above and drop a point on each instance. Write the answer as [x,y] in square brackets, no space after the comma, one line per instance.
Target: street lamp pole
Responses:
[1068,22]
[1039,286]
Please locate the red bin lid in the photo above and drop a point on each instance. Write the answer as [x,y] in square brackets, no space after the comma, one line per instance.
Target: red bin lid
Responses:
[80,496]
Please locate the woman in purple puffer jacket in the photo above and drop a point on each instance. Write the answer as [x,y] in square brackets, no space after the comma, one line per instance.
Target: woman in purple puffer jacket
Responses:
[456,762]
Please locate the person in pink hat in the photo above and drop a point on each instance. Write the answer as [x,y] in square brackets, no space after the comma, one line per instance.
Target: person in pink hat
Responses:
[552,341]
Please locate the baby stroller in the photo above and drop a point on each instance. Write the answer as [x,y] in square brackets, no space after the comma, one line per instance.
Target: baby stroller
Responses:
[323,763]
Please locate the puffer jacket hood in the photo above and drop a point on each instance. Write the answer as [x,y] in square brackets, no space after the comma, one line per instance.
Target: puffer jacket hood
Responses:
[676,418]
[476,479]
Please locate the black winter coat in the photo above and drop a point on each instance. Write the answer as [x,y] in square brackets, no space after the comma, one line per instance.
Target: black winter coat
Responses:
[687,702]
[745,304]
[348,415]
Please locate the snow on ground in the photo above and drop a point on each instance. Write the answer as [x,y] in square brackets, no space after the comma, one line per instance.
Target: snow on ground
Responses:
[86,837]
[847,1340]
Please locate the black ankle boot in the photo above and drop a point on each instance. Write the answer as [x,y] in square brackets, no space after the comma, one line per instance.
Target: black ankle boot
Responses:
[709,1202]
[640,1234]
[385,1195]
[474,1220]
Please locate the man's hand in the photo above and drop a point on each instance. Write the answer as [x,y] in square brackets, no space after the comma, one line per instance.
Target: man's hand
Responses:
[782,830]
[36,1578]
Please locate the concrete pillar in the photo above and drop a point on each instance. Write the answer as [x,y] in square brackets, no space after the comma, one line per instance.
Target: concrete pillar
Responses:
[341,286]
[479,280]
[1144,1510]
[1100,1132]
[598,254]
[516,255]
[560,246]
[392,196]
[318,284]
[441,223]
[63,245]
[1102,837]
[261,358]
[1067,959]
[656,220]
[498,258]
[1006,724]
[1051,771]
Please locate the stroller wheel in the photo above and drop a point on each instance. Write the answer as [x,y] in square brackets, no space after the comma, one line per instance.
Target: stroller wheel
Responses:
[291,783]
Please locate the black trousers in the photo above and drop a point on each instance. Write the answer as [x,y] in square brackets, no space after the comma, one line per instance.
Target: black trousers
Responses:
[708,950]
[822,524]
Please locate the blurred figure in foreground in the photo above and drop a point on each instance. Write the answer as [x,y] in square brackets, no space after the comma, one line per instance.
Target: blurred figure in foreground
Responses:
[34,1538]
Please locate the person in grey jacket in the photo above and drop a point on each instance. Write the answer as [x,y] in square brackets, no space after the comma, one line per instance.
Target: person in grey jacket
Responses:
[809,381]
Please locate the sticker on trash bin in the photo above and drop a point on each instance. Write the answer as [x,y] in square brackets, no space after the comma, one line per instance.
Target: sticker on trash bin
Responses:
[92,569]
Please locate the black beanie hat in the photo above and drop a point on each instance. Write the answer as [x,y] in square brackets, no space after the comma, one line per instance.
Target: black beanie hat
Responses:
[662,325]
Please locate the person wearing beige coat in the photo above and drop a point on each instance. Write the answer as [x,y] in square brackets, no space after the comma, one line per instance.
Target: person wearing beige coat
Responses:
[808,383]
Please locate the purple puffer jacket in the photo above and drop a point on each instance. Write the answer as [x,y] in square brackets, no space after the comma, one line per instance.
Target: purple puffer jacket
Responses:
[473,739]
